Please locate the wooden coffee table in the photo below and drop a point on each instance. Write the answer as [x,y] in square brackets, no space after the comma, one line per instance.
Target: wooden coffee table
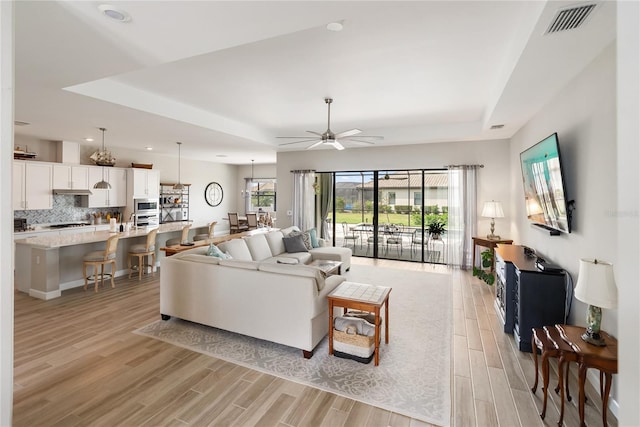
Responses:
[360,296]
[329,267]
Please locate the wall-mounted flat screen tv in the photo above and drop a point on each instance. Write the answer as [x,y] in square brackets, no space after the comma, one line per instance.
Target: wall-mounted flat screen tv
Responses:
[544,189]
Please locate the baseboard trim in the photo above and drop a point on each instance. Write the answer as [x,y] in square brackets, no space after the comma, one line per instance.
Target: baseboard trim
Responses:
[44,295]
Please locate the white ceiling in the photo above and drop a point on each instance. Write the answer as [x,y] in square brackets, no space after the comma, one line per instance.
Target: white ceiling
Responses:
[226,78]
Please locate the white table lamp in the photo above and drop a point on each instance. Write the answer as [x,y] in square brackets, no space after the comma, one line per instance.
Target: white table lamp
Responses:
[597,288]
[492,210]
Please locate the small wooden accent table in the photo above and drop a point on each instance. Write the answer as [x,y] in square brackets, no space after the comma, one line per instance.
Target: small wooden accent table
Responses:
[488,243]
[327,266]
[605,359]
[551,344]
[360,296]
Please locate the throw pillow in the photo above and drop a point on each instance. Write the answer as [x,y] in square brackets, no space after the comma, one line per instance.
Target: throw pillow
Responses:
[313,234]
[216,252]
[306,238]
[294,244]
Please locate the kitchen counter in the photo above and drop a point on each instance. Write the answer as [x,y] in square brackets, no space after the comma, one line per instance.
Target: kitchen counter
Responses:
[48,263]
[49,241]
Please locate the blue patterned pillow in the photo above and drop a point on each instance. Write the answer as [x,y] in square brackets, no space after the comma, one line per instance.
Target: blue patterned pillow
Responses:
[216,252]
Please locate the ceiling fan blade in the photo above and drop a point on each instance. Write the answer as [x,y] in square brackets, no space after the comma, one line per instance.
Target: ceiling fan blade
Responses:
[348,133]
[337,145]
[294,137]
[315,133]
[315,145]
[298,142]
[371,136]
[359,141]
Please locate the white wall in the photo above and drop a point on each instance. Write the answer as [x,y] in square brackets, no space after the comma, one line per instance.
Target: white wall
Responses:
[491,179]
[627,272]
[584,116]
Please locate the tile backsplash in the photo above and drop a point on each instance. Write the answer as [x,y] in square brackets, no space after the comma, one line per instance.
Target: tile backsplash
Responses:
[65,209]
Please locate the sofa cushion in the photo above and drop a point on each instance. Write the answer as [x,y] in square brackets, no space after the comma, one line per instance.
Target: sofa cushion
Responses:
[201,258]
[296,270]
[246,265]
[274,239]
[294,244]
[237,248]
[302,257]
[258,247]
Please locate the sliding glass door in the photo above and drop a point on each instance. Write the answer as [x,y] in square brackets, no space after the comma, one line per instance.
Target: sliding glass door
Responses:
[386,214]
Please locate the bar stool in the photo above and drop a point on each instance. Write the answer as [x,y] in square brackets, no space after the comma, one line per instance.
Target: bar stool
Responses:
[206,236]
[184,237]
[142,251]
[100,258]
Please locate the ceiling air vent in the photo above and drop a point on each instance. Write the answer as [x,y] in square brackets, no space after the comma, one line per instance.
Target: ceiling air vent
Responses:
[568,19]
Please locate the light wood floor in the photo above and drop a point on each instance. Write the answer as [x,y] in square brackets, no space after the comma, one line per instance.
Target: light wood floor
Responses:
[77,363]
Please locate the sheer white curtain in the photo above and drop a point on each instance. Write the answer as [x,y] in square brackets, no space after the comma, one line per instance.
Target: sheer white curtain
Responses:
[304,199]
[462,215]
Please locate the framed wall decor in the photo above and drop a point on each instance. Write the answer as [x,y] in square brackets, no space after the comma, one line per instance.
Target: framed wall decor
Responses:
[213,194]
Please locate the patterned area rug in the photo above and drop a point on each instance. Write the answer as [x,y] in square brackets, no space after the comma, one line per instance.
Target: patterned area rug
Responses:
[413,377]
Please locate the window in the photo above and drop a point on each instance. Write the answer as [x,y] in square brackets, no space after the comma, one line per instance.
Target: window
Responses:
[392,197]
[417,199]
[260,194]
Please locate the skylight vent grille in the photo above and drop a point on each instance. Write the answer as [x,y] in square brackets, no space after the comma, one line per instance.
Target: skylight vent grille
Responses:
[569,19]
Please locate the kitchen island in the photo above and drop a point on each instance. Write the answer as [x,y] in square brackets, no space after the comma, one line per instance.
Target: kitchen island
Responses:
[46,265]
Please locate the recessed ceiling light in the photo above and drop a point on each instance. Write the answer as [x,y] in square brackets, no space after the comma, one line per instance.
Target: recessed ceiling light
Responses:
[334,26]
[148,148]
[89,139]
[497,126]
[114,13]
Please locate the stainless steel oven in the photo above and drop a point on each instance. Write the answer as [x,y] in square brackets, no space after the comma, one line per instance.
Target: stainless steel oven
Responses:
[142,206]
[146,212]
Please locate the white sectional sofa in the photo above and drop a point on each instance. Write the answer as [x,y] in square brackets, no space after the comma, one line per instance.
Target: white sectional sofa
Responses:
[252,293]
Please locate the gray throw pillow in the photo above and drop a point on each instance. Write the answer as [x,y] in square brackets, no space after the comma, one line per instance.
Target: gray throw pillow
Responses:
[306,238]
[294,244]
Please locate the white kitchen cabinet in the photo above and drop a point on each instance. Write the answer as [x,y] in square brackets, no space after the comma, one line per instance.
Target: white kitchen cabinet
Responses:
[68,152]
[143,183]
[67,177]
[102,198]
[32,185]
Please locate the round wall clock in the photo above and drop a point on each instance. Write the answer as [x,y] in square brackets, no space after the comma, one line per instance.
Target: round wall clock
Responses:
[213,194]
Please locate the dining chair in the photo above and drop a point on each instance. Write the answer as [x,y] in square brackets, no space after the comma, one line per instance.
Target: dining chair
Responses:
[141,251]
[206,236]
[100,258]
[350,236]
[394,237]
[234,223]
[252,221]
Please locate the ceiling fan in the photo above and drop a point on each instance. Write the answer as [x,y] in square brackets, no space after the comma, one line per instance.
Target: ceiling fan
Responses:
[330,138]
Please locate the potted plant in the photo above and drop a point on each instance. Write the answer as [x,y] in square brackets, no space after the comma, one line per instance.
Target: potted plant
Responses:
[482,273]
[435,228]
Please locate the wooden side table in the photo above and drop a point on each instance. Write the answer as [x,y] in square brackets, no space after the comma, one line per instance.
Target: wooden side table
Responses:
[605,359]
[488,243]
[360,296]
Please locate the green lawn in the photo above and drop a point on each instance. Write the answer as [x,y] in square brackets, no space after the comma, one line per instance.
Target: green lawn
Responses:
[357,217]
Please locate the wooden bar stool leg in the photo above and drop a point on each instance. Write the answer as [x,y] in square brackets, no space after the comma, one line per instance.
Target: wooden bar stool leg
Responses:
[113,273]
[153,263]
[129,264]
[140,266]
[84,273]
[95,277]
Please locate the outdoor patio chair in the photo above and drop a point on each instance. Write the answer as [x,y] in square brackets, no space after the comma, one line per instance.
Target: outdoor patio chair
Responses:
[350,235]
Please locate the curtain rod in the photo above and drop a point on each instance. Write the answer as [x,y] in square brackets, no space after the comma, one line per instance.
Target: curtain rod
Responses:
[303,171]
[463,166]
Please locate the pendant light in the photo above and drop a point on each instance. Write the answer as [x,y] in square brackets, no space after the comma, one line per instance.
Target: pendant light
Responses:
[178,186]
[102,185]
[252,170]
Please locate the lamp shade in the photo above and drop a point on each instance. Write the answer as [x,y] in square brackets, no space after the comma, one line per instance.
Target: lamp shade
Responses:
[492,209]
[596,285]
